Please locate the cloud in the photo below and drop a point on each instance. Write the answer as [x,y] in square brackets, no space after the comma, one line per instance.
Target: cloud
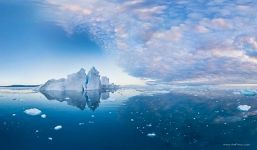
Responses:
[171,41]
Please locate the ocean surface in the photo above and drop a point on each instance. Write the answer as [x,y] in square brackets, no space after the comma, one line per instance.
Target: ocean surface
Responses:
[128,119]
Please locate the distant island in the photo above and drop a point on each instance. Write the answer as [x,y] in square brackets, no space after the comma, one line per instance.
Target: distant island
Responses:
[79,81]
[20,86]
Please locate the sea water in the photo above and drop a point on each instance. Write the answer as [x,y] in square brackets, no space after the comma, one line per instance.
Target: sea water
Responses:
[127,119]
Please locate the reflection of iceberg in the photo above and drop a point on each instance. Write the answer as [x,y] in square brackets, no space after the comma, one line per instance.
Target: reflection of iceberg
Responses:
[72,98]
[93,99]
[105,95]
[78,99]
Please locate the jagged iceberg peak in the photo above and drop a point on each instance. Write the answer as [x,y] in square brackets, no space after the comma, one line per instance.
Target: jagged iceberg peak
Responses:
[93,71]
[93,79]
[79,81]
[74,82]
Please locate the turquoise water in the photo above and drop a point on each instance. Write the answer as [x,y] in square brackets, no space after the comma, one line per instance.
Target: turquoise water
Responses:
[128,119]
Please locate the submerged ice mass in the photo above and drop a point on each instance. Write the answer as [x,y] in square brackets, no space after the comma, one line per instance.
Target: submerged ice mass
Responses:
[79,81]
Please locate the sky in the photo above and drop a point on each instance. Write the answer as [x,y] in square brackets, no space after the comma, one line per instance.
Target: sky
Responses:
[174,42]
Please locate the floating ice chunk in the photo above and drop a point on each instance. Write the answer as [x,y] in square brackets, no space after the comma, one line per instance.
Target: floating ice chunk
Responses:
[131,120]
[244,107]
[36,131]
[33,111]
[151,134]
[50,138]
[67,98]
[43,116]
[92,116]
[13,115]
[59,127]
[248,92]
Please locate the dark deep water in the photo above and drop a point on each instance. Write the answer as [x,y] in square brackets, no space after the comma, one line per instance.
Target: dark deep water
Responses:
[128,119]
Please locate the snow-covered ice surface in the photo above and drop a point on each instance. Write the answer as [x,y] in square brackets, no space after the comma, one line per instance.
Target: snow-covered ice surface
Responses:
[74,82]
[79,81]
[159,117]
[94,82]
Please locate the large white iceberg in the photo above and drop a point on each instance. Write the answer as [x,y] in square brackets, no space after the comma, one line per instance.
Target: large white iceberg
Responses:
[74,82]
[93,79]
[79,81]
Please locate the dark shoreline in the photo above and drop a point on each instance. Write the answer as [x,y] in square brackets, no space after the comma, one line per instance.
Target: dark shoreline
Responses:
[21,86]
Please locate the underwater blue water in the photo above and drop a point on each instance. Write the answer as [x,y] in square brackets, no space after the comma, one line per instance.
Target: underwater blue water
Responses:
[128,119]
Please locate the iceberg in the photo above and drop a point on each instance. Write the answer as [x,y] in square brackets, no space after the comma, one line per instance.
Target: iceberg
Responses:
[105,82]
[33,111]
[93,80]
[74,82]
[79,81]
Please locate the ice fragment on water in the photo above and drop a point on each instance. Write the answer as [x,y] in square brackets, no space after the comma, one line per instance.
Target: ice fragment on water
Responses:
[244,107]
[43,116]
[59,127]
[50,138]
[33,111]
[151,134]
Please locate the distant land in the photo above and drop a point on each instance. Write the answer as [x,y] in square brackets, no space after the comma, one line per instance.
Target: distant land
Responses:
[20,86]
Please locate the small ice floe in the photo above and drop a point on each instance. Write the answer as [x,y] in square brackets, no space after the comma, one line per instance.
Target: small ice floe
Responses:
[33,111]
[43,116]
[13,115]
[36,131]
[81,123]
[131,120]
[50,138]
[244,107]
[248,92]
[67,98]
[59,127]
[93,116]
[151,134]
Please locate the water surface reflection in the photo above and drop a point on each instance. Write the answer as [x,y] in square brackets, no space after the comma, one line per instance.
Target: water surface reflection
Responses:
[81,100]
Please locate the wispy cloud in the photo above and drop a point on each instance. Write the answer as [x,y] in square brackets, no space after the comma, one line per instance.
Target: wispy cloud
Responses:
[210,41]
